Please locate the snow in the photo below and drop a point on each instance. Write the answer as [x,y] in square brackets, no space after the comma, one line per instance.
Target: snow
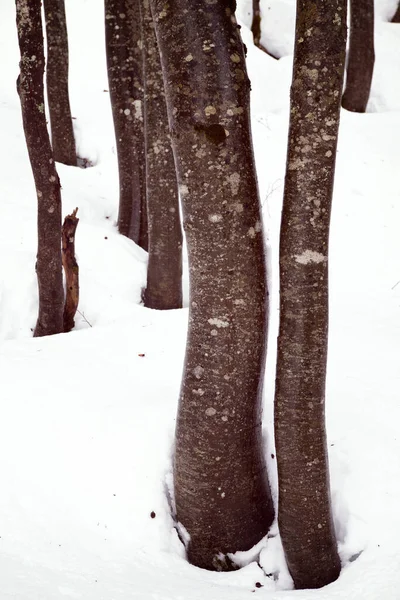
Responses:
[86,434]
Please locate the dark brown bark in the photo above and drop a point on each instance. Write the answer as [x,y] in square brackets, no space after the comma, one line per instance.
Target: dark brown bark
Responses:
[305,518]
[30,89]
[256,23]
[62,133]
[396,16]
[221,487]
[164,270]
[71,270]
[125,77]
[361,59]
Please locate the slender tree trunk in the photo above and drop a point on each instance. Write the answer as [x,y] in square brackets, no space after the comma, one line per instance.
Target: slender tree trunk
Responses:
[164,271]
[30,89]
[125,77]
[256,23]
[62,133]
[396,16]
[71,270]
[360,66]
[305,518]
[221,488]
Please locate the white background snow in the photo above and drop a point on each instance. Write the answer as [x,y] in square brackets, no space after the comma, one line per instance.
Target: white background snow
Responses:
[86,427]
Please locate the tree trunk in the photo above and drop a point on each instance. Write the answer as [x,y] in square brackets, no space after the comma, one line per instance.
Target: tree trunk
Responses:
[305,518]
[30,89]
[125,77]
[256,23]
[396,16]
[164,270]
[221,487]
[62,133]
[71,270]
[360,65]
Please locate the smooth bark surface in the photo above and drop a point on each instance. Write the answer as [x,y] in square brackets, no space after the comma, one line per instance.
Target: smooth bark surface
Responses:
[62,133]
[256,23]
[125,77]
[30,89]
[221,488]
[305,517]
[360,65]
[164,268]
[71,270]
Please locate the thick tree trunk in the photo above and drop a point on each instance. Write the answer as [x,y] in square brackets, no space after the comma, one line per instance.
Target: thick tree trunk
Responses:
[360,65]
[125,77]
[396,16]
[256,23]
[71,270]
[164,271]
[221,488]
[62,133]
[30,89]
[305,518]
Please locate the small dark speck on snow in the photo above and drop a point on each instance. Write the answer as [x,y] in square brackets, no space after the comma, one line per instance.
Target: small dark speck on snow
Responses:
[152,514]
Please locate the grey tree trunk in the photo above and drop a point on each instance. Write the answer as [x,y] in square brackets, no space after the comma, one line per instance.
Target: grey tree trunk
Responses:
[164,271]
[396,16]
[360,65]
[305,517]
[221,487]
[125,77]
[30,89]
[62,133]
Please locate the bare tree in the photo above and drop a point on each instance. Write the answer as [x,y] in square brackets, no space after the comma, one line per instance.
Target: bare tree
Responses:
[221,487]
[164,271]
[305,517]
[30,89]
[125,76]
[361,59]
[62,133]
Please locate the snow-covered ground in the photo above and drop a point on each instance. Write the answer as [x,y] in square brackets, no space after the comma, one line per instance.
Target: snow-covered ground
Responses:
[87,418]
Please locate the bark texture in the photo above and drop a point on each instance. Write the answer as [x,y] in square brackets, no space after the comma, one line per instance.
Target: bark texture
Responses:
[221,487]
[305,518]
[256,23]
[396,16]
[30,89]
[71,270]
[361,59]
[125,77]
[62,133]
[164,270]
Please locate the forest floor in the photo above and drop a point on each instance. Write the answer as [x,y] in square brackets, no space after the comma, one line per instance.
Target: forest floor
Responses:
[87,418]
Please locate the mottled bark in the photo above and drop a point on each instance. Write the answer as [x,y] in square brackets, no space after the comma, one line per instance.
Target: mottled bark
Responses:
[396,16]
[164,270]
[30,89]
[361,59]
[62,133]
[220,479]
[256,23]
[125,77]
[71,270]
[305,518]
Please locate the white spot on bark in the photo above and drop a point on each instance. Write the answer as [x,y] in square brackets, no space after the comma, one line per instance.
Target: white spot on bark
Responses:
[127,111]
[215,218]
[210,110]
[198,372]
[310,256]
[210,412]
[138,109]
[218,323]
[239,302]
[183,190]
[214,332]
[51,209]
[235,57]
[234,181]
[223,495]
[198,392]
[189,57]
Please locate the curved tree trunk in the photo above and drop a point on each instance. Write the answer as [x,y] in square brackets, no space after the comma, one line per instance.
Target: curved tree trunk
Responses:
[62,133]
[360,66]
[125,77]
[305,519]
[30,89]
[221,488]
[164,271]
[396,16]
